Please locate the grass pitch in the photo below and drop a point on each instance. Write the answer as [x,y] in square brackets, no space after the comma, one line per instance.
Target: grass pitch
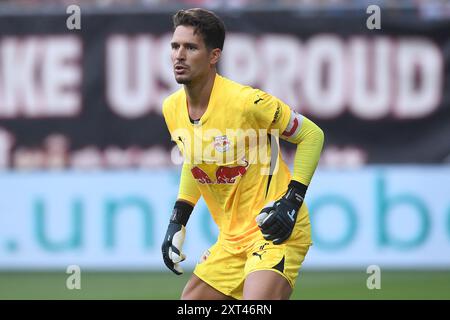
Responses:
[322,285]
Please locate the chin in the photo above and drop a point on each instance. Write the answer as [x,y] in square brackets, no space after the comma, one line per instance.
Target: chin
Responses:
[182,80]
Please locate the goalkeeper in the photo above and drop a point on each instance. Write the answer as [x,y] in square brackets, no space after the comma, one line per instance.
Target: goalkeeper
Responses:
[258,206]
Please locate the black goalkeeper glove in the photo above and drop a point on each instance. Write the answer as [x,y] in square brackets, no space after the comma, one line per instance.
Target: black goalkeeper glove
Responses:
[277,220]
[173,240]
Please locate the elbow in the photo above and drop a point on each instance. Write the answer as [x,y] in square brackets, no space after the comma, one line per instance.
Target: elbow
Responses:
[319,136]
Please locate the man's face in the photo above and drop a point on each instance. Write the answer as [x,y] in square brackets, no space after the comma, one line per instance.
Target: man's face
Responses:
[190,57]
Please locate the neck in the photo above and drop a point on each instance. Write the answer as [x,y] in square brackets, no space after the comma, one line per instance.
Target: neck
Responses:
[198,93]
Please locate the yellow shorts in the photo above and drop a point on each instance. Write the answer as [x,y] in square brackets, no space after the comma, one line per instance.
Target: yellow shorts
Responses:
[226,272]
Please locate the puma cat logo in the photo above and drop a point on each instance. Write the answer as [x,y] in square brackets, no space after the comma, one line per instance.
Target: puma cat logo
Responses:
[258,100]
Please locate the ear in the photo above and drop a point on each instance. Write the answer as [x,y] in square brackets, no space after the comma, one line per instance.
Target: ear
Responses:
[214,55]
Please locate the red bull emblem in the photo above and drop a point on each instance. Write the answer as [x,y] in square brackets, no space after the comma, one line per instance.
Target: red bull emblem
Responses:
[200,175]
[223,174]
[230,174]
[221,143]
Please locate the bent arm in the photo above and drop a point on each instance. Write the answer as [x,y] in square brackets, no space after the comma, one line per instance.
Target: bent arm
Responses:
[269,112]
[309,139]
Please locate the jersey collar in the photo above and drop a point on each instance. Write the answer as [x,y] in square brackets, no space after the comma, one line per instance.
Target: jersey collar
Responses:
[212,100]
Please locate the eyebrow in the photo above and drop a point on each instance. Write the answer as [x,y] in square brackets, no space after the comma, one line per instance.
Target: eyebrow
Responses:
[185,43]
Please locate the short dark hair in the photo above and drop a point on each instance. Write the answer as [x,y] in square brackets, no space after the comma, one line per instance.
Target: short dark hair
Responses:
[207,23]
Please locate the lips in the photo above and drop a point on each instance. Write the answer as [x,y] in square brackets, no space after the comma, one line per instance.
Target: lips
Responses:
[180,68]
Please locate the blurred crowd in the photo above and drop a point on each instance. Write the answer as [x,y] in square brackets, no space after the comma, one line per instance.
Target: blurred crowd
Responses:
[432,9]
[236,3]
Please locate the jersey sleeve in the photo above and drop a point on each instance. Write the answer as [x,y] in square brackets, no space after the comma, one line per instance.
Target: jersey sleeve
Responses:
[188,189]
[267,112]
[309,139]
[166,115]
[170,123]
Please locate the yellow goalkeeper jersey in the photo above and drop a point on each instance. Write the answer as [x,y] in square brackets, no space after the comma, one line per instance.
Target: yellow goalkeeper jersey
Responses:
[231,155]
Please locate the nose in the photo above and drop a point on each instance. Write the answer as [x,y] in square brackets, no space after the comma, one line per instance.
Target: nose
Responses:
[180,53]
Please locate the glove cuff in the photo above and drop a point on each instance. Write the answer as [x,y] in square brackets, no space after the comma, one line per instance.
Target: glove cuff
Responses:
[296,192]
[181,212]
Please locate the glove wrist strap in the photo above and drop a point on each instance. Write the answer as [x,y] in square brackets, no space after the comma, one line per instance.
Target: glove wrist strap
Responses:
[296,192]
[181,212]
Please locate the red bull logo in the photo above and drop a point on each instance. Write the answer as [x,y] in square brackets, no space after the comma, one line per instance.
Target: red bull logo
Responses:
[230,174]
[221,143]
[223,174]
[200,175]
